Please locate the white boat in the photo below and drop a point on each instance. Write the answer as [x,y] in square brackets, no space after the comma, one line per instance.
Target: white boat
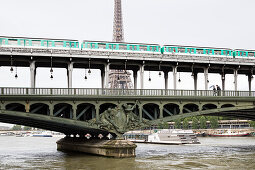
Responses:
[228,133]
[42,134]
[163,136]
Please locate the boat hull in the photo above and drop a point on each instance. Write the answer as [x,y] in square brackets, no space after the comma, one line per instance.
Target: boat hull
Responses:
[222,135]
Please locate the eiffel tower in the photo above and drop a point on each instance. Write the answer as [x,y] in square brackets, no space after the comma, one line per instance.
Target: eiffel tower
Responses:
[119,78]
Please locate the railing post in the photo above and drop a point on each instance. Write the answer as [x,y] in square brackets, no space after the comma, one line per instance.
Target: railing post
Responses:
[2,91]
[50,91]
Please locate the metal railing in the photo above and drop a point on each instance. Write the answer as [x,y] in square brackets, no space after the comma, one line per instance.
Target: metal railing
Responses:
[6,91]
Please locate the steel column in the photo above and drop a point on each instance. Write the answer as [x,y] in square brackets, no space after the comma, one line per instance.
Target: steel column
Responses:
[70,74]
[135,78]
[195,81]
[249,82]
[166,79]
[102,78]
[235,78]
[142,76]
[107,71]
[223,77]
[175,77]
[206,77]
[32,74]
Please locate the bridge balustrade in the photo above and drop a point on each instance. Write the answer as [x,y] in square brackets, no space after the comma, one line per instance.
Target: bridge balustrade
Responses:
[120,92]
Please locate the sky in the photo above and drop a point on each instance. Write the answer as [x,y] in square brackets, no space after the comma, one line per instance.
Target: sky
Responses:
[212,23]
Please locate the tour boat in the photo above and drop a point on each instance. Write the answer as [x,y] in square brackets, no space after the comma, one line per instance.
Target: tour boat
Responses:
[163,136]
[228,133]
[43,134]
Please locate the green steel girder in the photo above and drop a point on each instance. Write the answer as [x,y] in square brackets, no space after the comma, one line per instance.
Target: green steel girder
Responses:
[206,112]
[67,126]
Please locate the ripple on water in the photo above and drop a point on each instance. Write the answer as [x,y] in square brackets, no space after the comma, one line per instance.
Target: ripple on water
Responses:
[212,153]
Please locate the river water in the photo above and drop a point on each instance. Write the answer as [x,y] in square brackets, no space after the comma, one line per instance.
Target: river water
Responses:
[213,153]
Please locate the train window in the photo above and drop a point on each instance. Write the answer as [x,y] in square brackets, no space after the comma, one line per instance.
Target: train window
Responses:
[199,51]
[181,50]
[36,42]
[101,45]
[143,48]
[250,54]
[217,52]
[13,42]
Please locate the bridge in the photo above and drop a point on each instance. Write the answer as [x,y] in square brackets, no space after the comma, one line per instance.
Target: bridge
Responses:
[79,111]
[70,110]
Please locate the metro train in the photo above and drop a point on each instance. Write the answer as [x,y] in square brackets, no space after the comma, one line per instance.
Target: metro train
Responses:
[122,47]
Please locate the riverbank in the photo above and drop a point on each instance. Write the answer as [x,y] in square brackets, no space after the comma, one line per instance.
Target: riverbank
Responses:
[206,132]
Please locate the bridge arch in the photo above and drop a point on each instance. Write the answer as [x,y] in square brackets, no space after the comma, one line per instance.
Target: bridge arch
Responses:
[190,107]
[85,111]
[171,109]
[209,106]
[105,106]
[151,111]
[63,110]
[227,105]
[39,108]
[15,107]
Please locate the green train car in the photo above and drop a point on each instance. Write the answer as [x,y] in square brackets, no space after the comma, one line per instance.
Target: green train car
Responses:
[197,50]
[119,46]
[38,42]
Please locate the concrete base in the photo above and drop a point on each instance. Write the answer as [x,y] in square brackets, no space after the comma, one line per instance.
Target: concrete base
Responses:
[108,148]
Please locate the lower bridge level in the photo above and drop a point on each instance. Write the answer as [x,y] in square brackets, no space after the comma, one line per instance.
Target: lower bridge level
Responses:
[71,113]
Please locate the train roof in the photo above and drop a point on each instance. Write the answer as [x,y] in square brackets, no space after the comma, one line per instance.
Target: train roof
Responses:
[119,42]
[37,38]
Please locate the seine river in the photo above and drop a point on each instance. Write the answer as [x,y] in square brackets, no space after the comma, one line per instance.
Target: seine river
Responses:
[213,153]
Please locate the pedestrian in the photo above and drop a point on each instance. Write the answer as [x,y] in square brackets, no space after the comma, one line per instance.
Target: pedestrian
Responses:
[214,90]
[218,90]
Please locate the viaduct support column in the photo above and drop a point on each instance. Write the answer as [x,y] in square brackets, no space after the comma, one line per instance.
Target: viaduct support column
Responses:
[107,71]
[32,74]
[235,78]
[249,83]
[166,79]
[102,78]
[135,78]
[195,81]
[223,81]
[142,76]
[70,74]
[175,77]
[206,77]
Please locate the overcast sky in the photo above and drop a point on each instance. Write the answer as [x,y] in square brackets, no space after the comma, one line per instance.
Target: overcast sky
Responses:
[213,23]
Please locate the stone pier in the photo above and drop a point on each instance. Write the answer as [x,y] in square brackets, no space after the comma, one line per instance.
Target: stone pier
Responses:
[108,148]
